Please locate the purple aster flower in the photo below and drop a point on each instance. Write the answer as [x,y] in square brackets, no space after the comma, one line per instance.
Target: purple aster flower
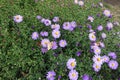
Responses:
[96,67]
[38,17]
[56,33]
[81,3]
[44,33]
[113,64]
[54,45]
[116,23]
[102,45]
[71,63]
[100,28]
[51,75]
[45,42]
[107,13]
[73,24]
[44,50]
[98,15]
[47,22]
[55,26]
[62,43]
[92,36]
[56,19]
[59,77]
[66,25]
[42,20]
[110,16]
[103,35]
[105,58]
[86,77]
[35,35]
[18,18]
[97,50]
[90,18]
[73,75]
[109,26]
[89,26]
[112,55]
[78,53]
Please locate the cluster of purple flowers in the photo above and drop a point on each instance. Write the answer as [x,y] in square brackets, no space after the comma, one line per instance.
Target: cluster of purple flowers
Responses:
[96,48]
[71,64]
[69,25]
[56,33]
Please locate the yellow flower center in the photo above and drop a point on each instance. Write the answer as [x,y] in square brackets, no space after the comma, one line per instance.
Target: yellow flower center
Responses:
[98,59]
[46,43]
[93,36]
[56,33]
[113,64]
[17,17]
[72,64]
[97,66]
[97,50]
[73,75]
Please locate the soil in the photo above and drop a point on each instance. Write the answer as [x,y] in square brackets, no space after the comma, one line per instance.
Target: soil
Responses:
[113,2]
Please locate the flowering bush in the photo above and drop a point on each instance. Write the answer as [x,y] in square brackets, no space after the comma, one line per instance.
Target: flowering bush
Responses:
[57,40]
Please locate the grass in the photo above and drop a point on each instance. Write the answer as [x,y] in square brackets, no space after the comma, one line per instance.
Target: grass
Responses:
[19,61]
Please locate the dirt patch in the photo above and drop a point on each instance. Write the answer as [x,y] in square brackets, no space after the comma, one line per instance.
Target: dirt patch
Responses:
[113,2]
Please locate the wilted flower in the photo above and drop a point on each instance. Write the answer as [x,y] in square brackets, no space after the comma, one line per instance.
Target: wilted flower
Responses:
[71,63]
[18,18]
[35,35]
[113,64]
[73,75]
